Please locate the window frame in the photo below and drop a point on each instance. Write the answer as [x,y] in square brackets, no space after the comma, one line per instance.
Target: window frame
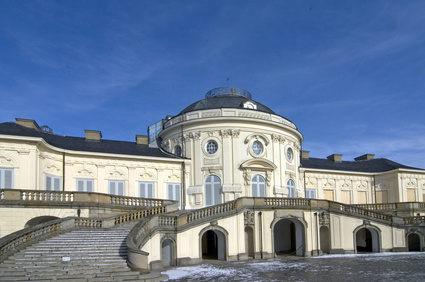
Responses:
[148,189]
[291,188]
[116,186]
[85,181]
[260,186]
[4,177]
[55,183]
[308,192]
[173,195]
[213,190]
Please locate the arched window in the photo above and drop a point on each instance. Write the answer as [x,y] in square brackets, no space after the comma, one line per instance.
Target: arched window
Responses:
[291,188]
[258,186]
[212,190]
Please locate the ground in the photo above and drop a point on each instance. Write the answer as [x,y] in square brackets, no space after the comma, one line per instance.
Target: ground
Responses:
[362,267]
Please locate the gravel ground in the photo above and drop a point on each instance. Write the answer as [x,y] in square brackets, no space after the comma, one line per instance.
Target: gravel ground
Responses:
[367,267]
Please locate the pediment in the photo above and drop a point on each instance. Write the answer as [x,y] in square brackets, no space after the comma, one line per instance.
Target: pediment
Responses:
[258,164]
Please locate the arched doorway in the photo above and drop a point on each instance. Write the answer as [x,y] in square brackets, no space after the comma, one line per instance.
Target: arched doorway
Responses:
[38,220]
[249,241]
[167,252]
[324,240]
[288,235]
[367,240]
[213,245]
[414,242]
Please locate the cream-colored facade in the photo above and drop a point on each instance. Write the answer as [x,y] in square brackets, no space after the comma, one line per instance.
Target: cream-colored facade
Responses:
[226,148]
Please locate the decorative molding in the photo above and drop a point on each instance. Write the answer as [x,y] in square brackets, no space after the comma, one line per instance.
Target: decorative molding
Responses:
[257,136]
[280,190]
[247,175]
[116,175]
[229,188]
[230,133]
[192,190]
[211,161]
[192,136]
[324,218]
[52,169]
[146,176]
[85,173]
[6,161]
[173,177]
[250,114]
[249,217]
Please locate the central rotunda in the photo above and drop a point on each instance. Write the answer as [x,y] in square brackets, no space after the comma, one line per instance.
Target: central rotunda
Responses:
[238,148]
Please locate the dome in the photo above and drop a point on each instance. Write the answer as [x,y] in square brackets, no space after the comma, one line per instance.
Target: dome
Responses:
[226,97]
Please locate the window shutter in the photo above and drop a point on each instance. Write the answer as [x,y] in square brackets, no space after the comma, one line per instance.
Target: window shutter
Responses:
[208,192]
[217,190]
[8,178]
[80,185]
[177,193]
[48,183]
[150,190]
[121,188]
[89,185]
[142,193]
[57,184]
[112,187]
[170,191]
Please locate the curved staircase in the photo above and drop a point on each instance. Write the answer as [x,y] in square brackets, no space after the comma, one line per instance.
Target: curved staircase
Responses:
[79,255]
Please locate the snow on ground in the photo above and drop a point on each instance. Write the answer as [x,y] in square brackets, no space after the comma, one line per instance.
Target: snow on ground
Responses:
[205,270]
[356,266]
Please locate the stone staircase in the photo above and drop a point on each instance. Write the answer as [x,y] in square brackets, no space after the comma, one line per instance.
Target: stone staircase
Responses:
[80,255]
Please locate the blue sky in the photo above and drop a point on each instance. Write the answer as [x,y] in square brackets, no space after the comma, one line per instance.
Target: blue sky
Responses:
[349,74]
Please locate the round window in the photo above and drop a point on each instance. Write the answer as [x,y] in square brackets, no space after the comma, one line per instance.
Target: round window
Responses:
[290,154]
[211,147]
[257,147]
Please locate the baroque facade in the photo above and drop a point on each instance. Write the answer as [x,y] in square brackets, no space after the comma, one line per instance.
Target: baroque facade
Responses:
[215,150]
[224,149]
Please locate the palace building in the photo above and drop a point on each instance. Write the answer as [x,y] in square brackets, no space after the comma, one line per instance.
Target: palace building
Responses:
[225,149]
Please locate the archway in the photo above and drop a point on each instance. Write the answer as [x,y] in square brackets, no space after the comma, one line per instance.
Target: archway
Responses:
[288,235]
[38,220]
[324,240]
[249,241]
[167,252]
[213,245]
[367,240]
[414,242]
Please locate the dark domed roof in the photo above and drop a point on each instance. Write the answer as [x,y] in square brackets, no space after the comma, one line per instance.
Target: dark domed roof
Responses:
[226,97]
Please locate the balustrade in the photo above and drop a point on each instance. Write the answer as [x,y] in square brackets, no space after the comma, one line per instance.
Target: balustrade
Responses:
[48,196]
[287,202]
[210,211]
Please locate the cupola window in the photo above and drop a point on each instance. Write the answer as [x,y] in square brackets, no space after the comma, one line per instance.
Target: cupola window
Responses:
[290,154]
[257,147]
[211,147]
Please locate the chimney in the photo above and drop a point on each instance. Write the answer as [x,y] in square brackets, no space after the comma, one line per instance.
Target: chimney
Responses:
[305,155]
[365,157]
[337,158]
[142,140]
[30,123]
[93,135]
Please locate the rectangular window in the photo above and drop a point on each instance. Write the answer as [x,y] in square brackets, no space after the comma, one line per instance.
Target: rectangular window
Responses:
[6,178]
[174,192]
[117,187]
[146,190]
[53,183]
[310,193]
[85,185]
